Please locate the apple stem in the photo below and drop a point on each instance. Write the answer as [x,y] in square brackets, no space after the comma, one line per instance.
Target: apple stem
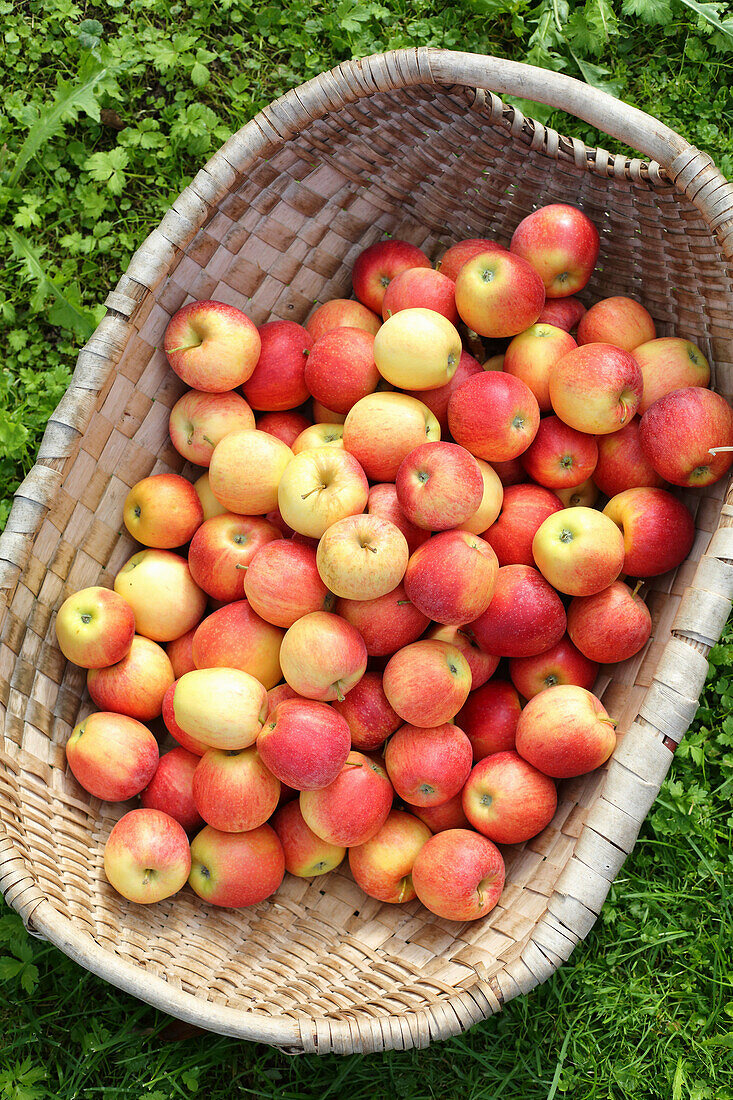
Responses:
[183,347]
[339,693]
[609,722]
[637,586]
[238,566]
[401,603]
[717,450]
[316,489]
[209,441]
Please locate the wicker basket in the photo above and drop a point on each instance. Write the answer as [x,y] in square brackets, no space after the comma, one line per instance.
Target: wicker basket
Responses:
[407,143]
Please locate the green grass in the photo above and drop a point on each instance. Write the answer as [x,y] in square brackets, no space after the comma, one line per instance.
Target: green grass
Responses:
[107,112]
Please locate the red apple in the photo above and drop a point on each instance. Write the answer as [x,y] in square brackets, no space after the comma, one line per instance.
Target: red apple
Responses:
[482,665]
[622,463]
[377,265]
[222,549]
[524,509]
[233,790]
[362,557]
[531,356]
[451,577]
[525,615]
[322,656]
[458,875]
[611,625]
[428,766]
[245,471]
[437,399]
[340,369]
[212,346]
[383,502]
[507,799]
[510,472]
[439,486]
[236,869]
[578,552]
[368,714]
[459,254]
[658,530]
[427,682]
[135,685]
[494,416]
[563,313]
[163,511]
[287,426]
[352,808]
[562,664]
[668,364]
[146,857]
[560,457]
[448,815]
[498,294]
[618,321]
[164,597]
[306,855]
[687,436]
[596,388]
[342,313]
[382,864]
[200,420]
[278,381]
[386,623]
[421,287]
[383,428]
[561,243]
[95,627]
[278,695]
[180,653]
[304,744]
[112,756]
[565,731]
[282,583]
[171,788]
[236,637]
[489,718]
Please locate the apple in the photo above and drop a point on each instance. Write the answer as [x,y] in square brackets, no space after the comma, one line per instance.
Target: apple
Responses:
[146,857]
[491,501]
[286,426]
[185,740]
[319,435]
[352,808]
[439,486]
[362,557]
[223,548]
[580,496]
[611,625]
[342,313]
[212,346]
[510,472]
[618,321]
[322,415]
[622,463]
[482,665]
[559,457]
[200,420]
[421,288]
[668,364]
[564,313]
[382,501]
[381,866]
[437,399]
[233,789]
[417,349]
[95,627]
[236,637]
[428,766]
[494,362]
[366,710]
[163,511]
[561,664]
[596,388]
[278,695]
[377,265]
[319,487]
[458,875]
[180,653]
[164,597]
[525,615]
[427,682]
[245,471]
[657,530]
[578,552]
[507,799]
[448,815]
[531,356]
[282,583]
[451,577]
[306,855]
[222,707]
[687,436]
[209,503]
[341,368]
[112,756]
[278,380]
[524,509]
[135,685]
[493,415]
[498,294]
[305,744]
[236,869]
[323,656]
[171,788]
[383,428]
[459,254]
[565,731]
[561,243]
[386,623]
[489,718]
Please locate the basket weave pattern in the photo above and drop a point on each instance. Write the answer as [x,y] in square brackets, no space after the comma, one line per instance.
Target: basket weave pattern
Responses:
[402,144]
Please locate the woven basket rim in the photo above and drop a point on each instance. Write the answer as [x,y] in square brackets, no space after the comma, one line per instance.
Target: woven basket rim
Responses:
[691,172]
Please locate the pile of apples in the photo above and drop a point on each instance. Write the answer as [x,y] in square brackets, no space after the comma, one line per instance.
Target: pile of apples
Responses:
[400,522]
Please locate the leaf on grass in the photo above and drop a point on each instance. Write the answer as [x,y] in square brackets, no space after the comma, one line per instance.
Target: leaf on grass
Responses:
[64,312]
[710,14]
[108,167]
[597,76]
[10,968]
[649,11]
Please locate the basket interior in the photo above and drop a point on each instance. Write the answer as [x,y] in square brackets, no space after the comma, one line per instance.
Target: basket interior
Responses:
[421,164]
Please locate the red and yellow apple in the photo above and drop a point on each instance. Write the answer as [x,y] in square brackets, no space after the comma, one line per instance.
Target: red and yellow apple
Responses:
[306,855]
[95,627]
[622,463]
[422,288]
[366,710]
[383,428]
[525,616]
[352,808]
[428,766]
[596,388]
[565,731]
[304,743]
[427,682]
[561,664]
[417,349]
[378,264]
[611,625]
[323,656]
[163,511]
[668,364]
[278,380]
[620,321]
[493,415]
[163,595]
[340,369]
[200,420]
[489,718]
[245,471]
[687,436]
[507,799]
[451,577]
[342,313]
[319,435]
[559,457]
[458,875]
[223,548]
[112,756]
[282,583]
[482,665]
[561,243]
[578,551]
[319,487]
[657,530]
[439,486]
[381,866]
[524,509]
[236,637]
[236,869]
[233,789]
[498,294]
[531,356]
[287,426]
[135,685]
[564,313]
[362,557]
[212,346]
[147,857]
[386,623]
